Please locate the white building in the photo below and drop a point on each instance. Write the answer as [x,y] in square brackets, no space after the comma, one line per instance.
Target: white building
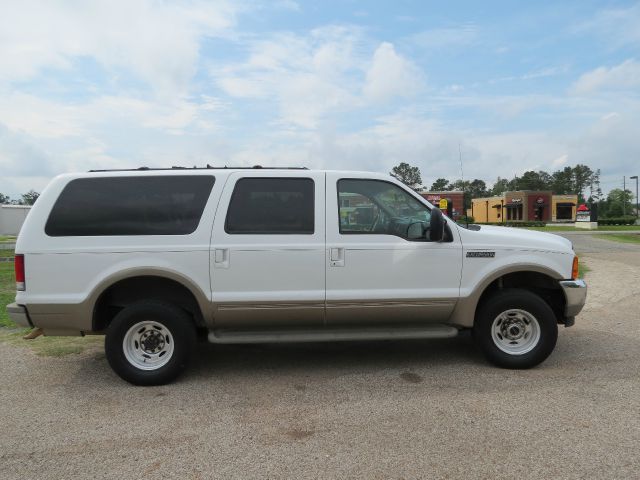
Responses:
[12,217]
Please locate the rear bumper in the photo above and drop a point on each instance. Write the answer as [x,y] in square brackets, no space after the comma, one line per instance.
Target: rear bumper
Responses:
[575,292]
[18,314]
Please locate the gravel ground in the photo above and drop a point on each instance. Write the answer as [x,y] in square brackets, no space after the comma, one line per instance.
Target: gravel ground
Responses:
[427,409]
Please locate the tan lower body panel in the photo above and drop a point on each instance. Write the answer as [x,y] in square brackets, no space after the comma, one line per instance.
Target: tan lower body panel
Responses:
[313,314]
[388,311]
[60,319]
[269,314]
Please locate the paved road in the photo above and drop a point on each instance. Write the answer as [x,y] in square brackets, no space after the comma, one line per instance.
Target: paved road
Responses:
[427,409]
[584,242]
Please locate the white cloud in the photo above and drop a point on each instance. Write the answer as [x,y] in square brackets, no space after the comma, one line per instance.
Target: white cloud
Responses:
[156,41]
[391,75]
[623,76]
[330,70]
[53,119]
[560,161]
[617,27]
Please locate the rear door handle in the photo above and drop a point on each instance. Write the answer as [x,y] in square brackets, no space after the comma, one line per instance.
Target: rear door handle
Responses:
[221,258]
[336,257]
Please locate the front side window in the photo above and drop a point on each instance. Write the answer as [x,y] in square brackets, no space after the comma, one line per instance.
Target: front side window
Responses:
[378,207]
[140,205]
[271,206]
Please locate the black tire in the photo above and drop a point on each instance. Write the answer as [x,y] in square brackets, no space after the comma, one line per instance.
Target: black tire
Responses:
[515,300]
[178,330]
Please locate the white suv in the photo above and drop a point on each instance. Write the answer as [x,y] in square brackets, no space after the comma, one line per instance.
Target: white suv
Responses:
[156,258]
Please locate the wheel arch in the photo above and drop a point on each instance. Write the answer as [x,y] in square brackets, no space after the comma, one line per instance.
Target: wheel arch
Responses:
[536,278]
[133,285]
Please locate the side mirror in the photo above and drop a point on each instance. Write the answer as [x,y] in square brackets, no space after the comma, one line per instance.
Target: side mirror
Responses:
[436,226]
[415,231]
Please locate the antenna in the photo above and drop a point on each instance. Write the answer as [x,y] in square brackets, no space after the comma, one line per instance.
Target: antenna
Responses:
[464,206]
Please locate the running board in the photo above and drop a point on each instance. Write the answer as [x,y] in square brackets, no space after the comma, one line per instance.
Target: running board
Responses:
[331,335]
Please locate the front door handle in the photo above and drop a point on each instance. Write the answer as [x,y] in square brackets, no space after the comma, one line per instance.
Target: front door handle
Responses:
[336,257]
[221,258]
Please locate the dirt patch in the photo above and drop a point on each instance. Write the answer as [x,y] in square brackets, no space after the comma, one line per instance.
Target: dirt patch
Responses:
[411,377]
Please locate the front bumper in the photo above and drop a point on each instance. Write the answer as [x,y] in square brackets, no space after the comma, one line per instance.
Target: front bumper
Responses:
[575,292]
[19,315]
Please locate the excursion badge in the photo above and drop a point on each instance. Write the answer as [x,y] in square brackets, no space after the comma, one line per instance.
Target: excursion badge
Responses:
[481,254]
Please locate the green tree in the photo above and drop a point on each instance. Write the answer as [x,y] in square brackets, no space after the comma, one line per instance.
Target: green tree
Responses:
[30,197]
[440,185]
[595,192]
[619,203]
[500,186]
[534,181]
[562,181]
[4,199]
[408,175]
[582,176]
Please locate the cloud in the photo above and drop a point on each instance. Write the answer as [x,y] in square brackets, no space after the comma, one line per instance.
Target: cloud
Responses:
[309,77]
[391,75]
[618,27]
[156,41]
[620,77]
[560,161]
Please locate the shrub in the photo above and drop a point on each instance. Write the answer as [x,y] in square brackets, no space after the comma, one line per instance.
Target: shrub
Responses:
[517,224]
[626,220]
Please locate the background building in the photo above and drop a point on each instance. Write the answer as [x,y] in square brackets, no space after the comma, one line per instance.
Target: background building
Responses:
[12,217]
[563,208]
[524,206]
[456,198]
[487,210]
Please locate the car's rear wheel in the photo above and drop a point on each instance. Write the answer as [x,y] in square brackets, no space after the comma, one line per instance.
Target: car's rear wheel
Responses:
[515,328]
[149,343]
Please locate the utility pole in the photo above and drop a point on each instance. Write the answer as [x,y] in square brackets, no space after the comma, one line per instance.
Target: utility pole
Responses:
[635,177]
[624,192]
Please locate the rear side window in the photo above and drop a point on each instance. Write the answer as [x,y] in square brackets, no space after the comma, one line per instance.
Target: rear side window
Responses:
[271,206]
[161,205]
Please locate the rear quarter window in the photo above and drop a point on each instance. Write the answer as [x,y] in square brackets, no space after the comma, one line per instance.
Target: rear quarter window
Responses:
[160,205]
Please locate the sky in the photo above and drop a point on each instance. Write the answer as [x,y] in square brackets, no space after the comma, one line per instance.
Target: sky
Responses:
[512,86]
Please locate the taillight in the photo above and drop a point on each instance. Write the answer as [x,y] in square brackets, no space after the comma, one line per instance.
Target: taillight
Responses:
[19,263]
[574,268]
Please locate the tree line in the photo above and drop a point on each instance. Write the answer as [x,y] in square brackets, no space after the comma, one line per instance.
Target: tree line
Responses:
[578,180]
[28,198]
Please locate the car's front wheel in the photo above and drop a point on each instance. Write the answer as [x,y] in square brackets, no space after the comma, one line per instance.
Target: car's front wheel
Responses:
[149,343]
[515,328]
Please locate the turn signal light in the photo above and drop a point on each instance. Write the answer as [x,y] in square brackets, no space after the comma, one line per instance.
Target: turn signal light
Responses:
[19,264]
[574,268]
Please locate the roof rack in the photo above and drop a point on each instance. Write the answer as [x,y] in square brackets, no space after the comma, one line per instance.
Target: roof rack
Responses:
[208,167]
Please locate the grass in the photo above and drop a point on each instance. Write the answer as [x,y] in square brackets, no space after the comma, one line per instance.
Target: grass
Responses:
[11,334]
[50,346]
[7,238]
[582,270]
[614,237]
[6,253]
[631,228]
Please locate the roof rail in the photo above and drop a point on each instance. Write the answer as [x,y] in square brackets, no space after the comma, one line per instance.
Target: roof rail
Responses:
[208,167]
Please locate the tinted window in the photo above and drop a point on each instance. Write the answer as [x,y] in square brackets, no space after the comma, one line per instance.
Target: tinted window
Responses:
[163,205]
[271,206]
[378,207]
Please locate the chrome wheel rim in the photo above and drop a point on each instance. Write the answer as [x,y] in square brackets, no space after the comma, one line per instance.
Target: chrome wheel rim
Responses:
[148,345]
[515,332]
